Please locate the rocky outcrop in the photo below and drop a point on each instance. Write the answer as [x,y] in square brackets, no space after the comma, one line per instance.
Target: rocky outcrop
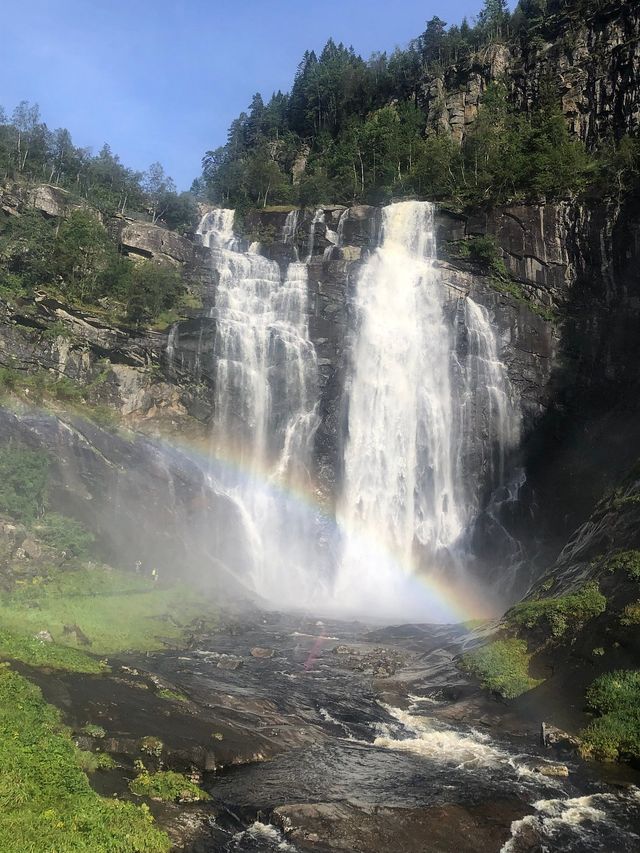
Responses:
[49,200]
[141,500]
[145,240]
[593,59]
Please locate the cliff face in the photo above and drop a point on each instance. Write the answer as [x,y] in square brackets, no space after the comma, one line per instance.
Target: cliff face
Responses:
[593,59]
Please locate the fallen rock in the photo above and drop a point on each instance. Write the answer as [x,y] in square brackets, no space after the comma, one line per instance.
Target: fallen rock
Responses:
[260,652]
[554,771]
[229,662]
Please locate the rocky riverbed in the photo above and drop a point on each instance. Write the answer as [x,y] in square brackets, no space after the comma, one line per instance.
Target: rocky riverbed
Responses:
[325,736]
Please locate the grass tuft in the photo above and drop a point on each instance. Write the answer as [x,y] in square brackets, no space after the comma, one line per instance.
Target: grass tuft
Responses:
[502,666]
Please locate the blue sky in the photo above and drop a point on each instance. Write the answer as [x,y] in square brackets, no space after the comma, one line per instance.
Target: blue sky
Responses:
[161,80]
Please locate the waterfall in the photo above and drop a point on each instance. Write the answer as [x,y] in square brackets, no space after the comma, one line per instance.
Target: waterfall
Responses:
[264,396]
[430,419]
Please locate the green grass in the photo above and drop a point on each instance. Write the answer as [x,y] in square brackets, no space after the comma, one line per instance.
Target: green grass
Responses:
[558,615]
[116,610]
[46,802]
[502,666]
[171,695]
[24,647]
[168,786]
[615,697]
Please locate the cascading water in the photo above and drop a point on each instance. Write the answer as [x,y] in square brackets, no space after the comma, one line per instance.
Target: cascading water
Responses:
[264,400]
[429,421]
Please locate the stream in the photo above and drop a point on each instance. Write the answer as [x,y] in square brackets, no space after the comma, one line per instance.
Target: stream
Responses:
[377,743]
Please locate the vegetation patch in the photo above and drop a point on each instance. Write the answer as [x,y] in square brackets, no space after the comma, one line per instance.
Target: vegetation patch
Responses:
[172,695]
[631,614]
[46,801]
[502,666]
[625,561]
[32,650]
[116,611]
[23,482]
[65,534]
[558,615]
[615,697]
[168,786]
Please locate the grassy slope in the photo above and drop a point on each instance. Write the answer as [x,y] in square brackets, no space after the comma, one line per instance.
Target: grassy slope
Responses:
[117,611]
[46,802]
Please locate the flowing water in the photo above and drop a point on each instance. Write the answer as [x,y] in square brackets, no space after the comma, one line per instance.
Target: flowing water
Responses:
[431,420]
[264,399]
[354,761]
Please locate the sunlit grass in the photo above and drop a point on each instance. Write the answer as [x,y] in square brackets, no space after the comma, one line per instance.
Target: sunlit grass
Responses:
[46,802]
[116,611]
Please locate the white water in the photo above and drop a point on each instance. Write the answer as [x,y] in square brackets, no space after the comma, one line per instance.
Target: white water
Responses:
[430,421]
[264,400]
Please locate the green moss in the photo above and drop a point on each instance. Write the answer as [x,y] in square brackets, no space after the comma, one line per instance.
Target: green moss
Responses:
[623,502]
[557,615]
[168,786]
[615,697]
[46,802]
[625,561]
[502,666]
[92,730]
[172,695]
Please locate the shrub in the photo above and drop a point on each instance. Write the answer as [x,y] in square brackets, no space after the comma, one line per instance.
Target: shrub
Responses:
[23,482]
[625,561]
[65,534]
[167,785]
[559,614]
[631,614]
[615,696]
[502,666]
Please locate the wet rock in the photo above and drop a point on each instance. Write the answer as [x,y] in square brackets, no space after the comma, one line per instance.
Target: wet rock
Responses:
[261,652]
[559,771]
[32,549]
[378,829]
[229,662]
[552,736]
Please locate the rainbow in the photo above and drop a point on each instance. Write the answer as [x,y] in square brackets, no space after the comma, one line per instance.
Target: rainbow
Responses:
[427,597]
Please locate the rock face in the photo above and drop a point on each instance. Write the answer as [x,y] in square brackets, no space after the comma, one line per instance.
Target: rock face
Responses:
[593,59]
[141,501]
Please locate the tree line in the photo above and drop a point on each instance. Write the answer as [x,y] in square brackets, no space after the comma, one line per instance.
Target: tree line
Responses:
[365,130]
[30,151]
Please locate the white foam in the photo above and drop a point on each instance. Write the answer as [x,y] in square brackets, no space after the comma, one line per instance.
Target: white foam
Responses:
[579,820]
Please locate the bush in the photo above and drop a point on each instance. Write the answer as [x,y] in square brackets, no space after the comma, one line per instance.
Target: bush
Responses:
[615,696]
[502,666]
[559,614]
[168,786]
[625,561]
[65,534]
[23,482]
